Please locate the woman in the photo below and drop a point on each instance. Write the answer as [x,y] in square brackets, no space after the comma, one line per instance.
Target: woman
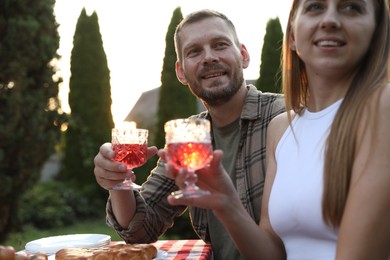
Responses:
[326,194]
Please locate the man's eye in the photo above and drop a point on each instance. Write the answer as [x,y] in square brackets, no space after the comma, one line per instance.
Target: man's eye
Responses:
[192,53]
[220,45]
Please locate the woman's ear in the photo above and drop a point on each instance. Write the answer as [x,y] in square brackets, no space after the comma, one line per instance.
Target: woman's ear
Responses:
[180,73]
[291,38]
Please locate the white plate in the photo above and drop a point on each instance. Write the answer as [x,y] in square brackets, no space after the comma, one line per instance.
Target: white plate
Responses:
[50,245]
[161,255]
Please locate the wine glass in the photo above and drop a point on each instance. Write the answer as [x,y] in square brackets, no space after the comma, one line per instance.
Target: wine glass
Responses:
[130,147]
[188,145]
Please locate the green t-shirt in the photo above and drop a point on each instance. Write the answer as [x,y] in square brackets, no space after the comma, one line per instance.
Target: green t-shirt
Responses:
[226,139]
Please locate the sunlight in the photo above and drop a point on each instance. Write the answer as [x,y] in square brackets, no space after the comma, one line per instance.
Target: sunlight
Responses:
[135,31]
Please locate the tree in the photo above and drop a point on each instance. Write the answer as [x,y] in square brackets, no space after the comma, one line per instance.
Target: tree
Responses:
[91,120]
[270,73]
[30,115]
[175,100]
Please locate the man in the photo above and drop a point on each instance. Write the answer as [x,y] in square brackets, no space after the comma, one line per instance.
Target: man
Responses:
[210,62]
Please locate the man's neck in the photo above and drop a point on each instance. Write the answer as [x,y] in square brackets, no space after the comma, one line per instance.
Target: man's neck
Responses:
[226,113]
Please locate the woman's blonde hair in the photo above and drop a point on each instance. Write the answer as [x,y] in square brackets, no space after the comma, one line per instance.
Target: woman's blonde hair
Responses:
[371,75]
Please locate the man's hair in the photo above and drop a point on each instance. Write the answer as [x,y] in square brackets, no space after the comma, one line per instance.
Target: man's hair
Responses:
[200,16]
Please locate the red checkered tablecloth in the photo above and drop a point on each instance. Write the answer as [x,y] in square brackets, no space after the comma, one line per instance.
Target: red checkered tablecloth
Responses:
[185,249]
[181,249]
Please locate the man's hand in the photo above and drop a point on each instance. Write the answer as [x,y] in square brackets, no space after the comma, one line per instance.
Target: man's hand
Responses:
[108,172]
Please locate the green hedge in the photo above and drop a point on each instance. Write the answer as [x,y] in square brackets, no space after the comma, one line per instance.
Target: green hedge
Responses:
[51,205]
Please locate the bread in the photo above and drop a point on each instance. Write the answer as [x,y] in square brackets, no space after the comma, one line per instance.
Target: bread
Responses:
[114,252]
[38,256]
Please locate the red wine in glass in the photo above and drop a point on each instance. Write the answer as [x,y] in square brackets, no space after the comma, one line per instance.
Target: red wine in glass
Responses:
[133,155]
[130,148]
[188,145]
[189,155]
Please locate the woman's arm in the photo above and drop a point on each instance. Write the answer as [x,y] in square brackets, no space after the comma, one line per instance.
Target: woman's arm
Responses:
[365,227]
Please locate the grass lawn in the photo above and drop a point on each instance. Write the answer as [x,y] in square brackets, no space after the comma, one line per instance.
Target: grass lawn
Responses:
[96,226]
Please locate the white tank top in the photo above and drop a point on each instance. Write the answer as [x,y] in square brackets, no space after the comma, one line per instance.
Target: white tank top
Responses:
[296,197]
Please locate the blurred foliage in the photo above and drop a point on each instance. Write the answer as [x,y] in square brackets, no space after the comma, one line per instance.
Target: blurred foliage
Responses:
[90,101]
[270,67]
[58,204]
[30,114]
[53,209]
[175,100]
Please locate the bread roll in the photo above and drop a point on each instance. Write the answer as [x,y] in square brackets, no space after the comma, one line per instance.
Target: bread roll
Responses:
[117,252]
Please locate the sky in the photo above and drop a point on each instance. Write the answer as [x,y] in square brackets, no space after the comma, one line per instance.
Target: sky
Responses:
[133,34]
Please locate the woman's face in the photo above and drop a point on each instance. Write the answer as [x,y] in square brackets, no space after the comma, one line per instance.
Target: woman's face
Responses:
[332,36]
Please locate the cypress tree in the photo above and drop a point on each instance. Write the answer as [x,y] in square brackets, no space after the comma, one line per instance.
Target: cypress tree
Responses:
[270,73]
[90,102]
[30,118]
[175,100]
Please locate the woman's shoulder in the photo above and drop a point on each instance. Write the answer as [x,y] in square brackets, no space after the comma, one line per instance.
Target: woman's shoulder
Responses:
[380,100]
[278,126]
[375,115]
[282,120]
[384,101]
[384,105]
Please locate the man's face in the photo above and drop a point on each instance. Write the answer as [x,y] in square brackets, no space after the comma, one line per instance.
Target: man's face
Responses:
[212,64]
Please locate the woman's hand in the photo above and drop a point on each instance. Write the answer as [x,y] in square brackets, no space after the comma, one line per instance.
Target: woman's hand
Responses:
[212,178]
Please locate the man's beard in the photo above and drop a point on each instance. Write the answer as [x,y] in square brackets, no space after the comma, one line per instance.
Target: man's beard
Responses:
[214,98]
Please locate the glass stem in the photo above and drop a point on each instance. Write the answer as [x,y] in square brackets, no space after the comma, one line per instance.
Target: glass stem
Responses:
[190,180]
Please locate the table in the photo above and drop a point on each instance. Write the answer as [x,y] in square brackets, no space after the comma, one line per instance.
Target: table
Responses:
[185,249]
[191,249]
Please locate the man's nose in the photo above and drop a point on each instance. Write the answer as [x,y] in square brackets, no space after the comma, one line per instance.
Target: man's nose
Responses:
[210,56]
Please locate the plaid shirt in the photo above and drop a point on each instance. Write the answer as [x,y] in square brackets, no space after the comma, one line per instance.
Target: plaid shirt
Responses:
[154,215]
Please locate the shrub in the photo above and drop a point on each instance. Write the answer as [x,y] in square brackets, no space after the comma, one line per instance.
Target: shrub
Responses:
[51,205]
